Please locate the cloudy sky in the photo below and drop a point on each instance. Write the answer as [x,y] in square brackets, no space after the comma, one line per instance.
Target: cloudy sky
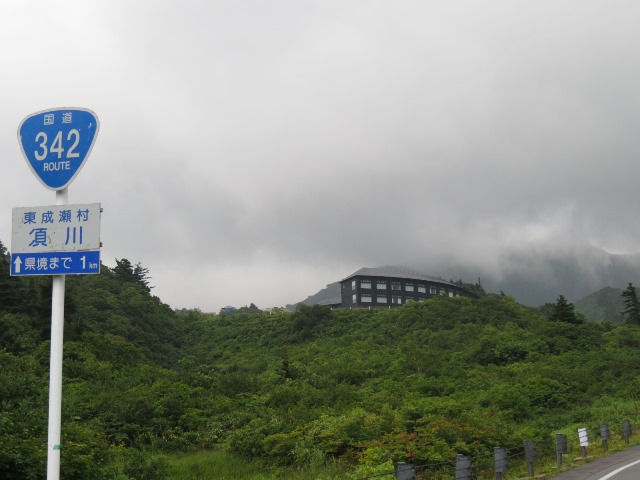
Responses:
[255,151]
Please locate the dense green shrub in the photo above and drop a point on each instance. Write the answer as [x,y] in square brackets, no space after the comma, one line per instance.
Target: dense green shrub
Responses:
[418,383]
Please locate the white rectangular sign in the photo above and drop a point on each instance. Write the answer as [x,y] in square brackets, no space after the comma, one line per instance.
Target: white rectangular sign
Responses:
[56,228]
[583,437]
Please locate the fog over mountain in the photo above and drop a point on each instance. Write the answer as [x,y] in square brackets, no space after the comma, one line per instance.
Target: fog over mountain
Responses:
[539,276]
[535,275]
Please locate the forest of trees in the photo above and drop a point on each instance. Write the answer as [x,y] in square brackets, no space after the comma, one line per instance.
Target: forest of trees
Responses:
[368,388]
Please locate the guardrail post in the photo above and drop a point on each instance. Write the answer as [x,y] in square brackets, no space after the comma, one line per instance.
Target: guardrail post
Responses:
[584,441]
[500,461]
[463,467]
[605,435]
[626,430]
[561,447]
[405,471]
[530,455]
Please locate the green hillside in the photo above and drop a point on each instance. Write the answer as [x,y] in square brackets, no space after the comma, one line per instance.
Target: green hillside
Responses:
[354,389]
[603,305]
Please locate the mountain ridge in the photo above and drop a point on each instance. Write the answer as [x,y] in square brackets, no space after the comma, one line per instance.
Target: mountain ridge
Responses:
[605,305]
[535,276]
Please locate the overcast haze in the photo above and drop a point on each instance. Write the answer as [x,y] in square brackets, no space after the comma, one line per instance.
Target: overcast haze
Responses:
[255,151]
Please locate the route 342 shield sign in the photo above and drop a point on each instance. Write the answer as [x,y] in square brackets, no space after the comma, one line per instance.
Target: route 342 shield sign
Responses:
[56,143]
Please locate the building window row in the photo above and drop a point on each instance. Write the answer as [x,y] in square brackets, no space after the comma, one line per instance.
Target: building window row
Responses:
[381,299]
[366,284]
[384,299]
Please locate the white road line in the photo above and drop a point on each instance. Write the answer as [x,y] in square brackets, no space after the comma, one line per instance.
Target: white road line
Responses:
[615,472]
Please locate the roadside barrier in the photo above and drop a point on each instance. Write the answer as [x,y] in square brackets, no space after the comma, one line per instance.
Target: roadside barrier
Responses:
[465,467]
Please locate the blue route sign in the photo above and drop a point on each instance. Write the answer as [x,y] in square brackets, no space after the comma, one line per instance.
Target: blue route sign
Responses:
[56,240]
[55,263]
[56,143]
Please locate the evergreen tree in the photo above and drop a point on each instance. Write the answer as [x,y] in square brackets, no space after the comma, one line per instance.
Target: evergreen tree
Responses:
[127,272]
[124,270]
[631,310]
[141,275]
[476,288]
[563,311]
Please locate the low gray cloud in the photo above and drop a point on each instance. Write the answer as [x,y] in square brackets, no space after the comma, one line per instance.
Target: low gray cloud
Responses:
[256,151]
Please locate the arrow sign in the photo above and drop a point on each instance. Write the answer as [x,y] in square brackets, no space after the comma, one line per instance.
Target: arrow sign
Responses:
[56,143]
[17,263]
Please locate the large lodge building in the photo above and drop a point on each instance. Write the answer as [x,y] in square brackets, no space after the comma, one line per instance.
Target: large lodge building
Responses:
[392,287]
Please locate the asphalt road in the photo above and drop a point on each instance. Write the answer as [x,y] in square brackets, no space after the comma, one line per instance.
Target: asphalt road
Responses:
[618,466]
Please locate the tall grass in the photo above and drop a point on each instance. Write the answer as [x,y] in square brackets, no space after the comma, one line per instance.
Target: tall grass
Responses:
[221,465]
[214,464]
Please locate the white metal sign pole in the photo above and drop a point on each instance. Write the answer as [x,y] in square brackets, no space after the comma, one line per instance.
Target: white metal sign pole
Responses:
[56,143]
[55,365]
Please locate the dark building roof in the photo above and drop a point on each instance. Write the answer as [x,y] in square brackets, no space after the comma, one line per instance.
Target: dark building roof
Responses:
[395,272]
[330,301]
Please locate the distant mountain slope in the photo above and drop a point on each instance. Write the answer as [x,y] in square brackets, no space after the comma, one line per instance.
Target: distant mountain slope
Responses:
[534,274]
[328,294]
[603,305]
[539,275]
